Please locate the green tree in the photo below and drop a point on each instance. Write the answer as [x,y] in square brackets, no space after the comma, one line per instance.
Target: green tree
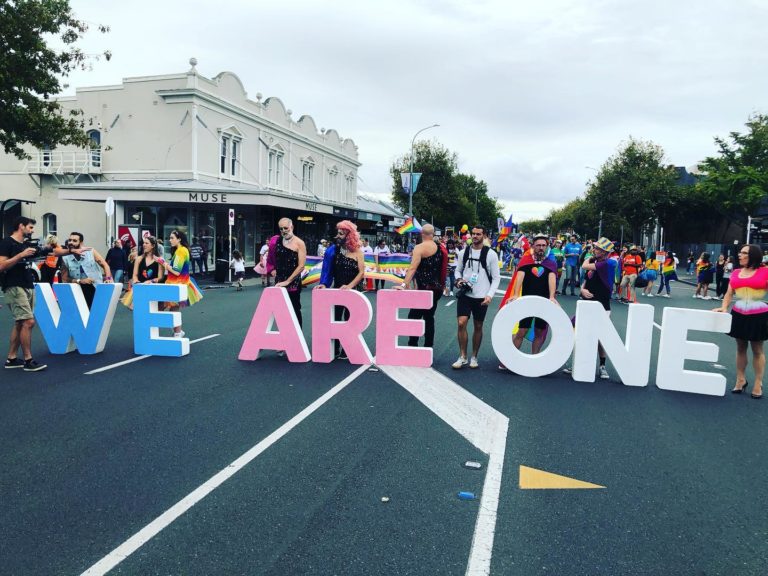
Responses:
[736,180]
[31,71]
[443,195]
[630,189]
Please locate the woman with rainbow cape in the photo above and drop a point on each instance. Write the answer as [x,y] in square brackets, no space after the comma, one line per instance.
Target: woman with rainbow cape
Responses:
[177,272]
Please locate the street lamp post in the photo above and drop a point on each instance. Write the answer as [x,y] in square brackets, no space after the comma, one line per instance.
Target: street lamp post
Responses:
[410,180]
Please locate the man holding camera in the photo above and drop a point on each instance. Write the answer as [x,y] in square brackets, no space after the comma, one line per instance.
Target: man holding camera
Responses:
[16,254]
[84,267]
[477,275]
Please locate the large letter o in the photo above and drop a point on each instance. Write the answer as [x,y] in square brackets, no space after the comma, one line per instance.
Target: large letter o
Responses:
[545,362]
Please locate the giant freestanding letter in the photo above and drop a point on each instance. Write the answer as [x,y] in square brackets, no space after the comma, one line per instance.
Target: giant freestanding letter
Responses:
[675,349]
[389,327]
[348,332]
[549,359]
[274,308]
[593,326]
[68,324]
[147,320]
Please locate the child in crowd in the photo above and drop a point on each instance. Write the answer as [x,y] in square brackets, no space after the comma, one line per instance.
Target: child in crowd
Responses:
[238,265]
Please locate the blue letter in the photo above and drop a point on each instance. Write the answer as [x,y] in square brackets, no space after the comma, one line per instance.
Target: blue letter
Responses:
[68,324]
[147,320]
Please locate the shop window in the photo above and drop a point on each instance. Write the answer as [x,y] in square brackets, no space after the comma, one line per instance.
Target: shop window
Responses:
[333,183]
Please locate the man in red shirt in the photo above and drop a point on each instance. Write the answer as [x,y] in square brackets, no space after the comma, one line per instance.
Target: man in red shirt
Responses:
[631,264]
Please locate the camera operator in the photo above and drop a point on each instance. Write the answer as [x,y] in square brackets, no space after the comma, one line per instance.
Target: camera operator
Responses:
[84,267]
[16,255]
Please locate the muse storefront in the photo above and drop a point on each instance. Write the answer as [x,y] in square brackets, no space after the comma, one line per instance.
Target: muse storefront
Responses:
[201,210]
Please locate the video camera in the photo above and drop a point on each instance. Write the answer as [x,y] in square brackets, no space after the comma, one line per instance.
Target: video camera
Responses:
[41,251]
[463,289]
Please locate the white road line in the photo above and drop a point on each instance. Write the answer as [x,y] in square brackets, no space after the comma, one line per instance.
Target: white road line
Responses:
[450,303]
[137,358]
[657,325]
[166,518]
[481,425]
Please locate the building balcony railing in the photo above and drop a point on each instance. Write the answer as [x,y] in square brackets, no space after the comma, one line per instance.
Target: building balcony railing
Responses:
[55,162]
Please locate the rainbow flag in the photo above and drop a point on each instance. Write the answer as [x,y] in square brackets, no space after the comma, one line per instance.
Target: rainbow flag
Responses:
[505,231]
[392,268]
[411,225]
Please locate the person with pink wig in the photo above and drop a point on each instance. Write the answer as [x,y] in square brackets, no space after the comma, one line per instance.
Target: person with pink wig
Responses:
[343,268]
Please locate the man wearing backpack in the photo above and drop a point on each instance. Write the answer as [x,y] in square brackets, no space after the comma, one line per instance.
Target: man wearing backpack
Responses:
[477,275]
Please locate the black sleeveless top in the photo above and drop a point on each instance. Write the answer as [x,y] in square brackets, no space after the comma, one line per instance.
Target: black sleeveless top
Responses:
[428,273]
[344,270]
[286,261]
[148,272]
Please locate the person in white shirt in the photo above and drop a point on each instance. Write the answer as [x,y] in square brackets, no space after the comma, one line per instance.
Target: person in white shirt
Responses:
[477,275]
[238,265]
[321,248]
[381,250]
[367,248]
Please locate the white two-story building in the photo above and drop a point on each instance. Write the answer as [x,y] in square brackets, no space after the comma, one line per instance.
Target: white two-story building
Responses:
[180,151]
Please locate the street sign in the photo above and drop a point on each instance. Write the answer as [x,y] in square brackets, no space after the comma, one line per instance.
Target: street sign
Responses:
[231,216]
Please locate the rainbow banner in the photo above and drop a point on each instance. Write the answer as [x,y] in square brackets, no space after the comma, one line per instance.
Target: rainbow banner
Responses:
[392,268]
[411,225]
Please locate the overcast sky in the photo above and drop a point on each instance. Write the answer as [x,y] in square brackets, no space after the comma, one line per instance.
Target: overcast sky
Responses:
[527,93]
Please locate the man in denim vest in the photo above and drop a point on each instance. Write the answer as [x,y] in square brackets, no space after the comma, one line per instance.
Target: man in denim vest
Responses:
[85,269]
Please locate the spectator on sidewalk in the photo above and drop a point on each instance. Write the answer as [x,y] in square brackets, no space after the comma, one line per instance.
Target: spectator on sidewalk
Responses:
[117,261]
[705,272]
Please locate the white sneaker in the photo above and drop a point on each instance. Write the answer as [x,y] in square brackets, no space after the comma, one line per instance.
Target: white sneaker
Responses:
[695,296]
[451,293]
[706,298]
[665,296]
[567,370]
[179,334]
[650,295]
[603,373]
[473,362]
[460,363]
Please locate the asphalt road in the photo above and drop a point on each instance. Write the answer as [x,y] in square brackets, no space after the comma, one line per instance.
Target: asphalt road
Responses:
[87,461]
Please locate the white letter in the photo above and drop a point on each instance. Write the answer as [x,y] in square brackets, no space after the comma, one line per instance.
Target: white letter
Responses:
[548,360]
[675,349]
[593,326]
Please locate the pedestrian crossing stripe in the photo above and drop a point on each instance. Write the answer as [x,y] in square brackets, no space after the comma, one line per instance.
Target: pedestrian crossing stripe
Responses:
[533,479]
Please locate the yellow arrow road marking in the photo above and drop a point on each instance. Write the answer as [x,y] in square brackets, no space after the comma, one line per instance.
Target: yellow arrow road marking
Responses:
[533,479]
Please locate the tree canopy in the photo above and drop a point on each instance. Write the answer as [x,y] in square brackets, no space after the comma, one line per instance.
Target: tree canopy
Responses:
[31,72]
[444,195]
[735,181]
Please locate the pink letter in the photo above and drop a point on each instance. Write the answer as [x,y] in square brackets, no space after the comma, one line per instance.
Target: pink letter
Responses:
[389,327]
[274,307]
[348,332]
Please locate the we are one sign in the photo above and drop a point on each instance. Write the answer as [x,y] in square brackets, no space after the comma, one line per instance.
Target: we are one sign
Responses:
[67,325]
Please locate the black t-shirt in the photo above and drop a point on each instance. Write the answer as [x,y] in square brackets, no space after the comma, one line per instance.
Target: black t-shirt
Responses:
[20,274]
[597,287]
[536,280]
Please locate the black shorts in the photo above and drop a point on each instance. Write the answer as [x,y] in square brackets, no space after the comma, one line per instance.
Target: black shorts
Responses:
[526,323]
[467,306]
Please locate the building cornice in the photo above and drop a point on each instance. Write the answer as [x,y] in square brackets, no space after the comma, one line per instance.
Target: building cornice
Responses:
[188,95]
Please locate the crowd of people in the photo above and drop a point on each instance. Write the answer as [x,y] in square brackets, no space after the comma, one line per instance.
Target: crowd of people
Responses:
[466,267]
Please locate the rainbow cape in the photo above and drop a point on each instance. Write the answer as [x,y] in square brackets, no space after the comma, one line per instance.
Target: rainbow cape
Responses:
[549,262]
[411,225]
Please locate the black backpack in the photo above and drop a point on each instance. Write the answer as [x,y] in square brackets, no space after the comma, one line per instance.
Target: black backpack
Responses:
[483,257]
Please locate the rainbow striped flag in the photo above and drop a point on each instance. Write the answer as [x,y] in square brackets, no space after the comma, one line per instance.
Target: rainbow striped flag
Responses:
[411,225]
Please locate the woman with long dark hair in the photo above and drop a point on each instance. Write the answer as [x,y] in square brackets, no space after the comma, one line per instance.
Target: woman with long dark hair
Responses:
[178,273]
[749,324]
[146,268]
